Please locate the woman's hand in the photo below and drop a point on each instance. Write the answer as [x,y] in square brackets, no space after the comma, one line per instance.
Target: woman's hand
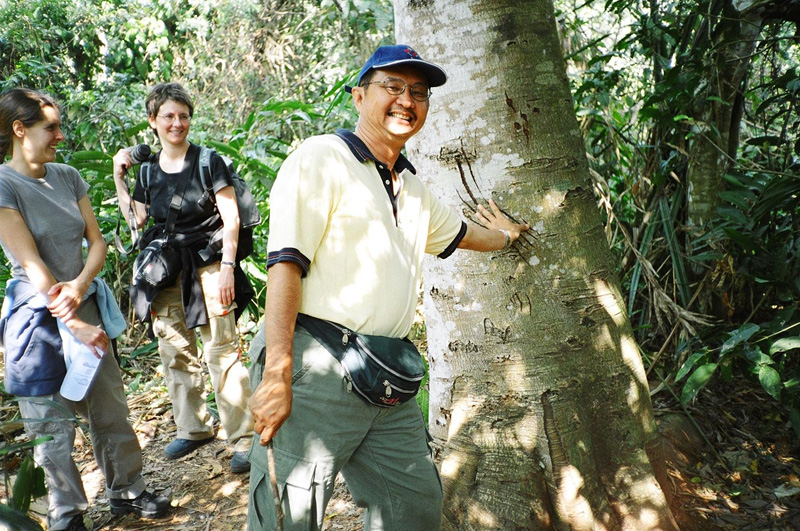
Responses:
[92,336]
[226,286]
[65,298]
[122,162]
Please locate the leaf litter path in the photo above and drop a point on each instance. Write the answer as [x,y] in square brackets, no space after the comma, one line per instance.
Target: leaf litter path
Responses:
[747,478]
[743,472]
[206,496]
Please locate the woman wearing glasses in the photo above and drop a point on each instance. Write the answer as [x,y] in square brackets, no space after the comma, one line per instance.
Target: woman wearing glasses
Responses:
[209,292]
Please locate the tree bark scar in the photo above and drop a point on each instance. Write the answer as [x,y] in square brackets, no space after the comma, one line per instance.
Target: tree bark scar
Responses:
[510,103]
[462,159]
[464,181]
[490,329]
[526,128]
[558,452]
[523,302]
[469,167]
[525,125]
[559,458]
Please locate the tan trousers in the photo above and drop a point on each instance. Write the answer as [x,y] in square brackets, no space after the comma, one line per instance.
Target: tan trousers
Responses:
[177,346]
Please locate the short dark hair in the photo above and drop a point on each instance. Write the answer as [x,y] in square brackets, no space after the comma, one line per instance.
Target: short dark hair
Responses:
[167,91]
[24,105]
[366,78]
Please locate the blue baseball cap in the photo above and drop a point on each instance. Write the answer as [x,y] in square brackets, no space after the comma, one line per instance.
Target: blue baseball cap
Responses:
[401,54]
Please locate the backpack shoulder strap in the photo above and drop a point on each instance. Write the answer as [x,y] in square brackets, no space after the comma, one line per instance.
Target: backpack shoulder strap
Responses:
[205,169]
[204,164]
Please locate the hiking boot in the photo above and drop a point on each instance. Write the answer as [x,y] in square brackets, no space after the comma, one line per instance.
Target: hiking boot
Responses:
[239,463]
[76,524]
[146,504]
[180,447]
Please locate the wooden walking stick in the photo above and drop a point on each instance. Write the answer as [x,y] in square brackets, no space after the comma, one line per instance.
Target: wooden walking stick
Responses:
[273,479]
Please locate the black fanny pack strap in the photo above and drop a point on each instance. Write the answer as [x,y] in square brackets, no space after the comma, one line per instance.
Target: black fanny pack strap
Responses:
[330,335]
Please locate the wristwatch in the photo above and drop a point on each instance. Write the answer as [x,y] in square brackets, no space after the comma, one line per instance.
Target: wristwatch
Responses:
[227,262]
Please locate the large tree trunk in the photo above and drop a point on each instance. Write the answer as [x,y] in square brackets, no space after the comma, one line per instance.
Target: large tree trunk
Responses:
[536,380]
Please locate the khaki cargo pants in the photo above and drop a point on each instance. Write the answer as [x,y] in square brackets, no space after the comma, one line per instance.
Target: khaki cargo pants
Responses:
[177,346]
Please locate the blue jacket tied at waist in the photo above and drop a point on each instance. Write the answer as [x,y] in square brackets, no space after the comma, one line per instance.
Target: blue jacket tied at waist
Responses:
[29,334]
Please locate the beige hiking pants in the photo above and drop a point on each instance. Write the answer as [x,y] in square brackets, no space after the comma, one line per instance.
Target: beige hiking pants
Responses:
[177,346]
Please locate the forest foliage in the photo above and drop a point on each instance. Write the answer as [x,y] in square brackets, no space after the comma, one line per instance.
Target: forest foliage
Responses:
[718,298]
[712,298]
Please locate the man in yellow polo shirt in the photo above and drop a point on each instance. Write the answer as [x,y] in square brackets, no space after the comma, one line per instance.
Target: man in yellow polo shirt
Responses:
[350,224]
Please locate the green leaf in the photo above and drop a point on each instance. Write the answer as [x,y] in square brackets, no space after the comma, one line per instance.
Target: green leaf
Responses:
[736,198]
[132,131]
[101,168]
[784,344]
[15,519]
[223,149]
[90,155]
[678,269]
[39,487]
[738,336]
[688,365]
[770,381]
[10,449]
[144,349]
[25,485]
[754,355]
[708,256]
[697,381]
[766,140]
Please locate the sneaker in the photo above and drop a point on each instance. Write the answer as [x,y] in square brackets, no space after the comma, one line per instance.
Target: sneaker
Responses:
[180,447]
[239,463]
[76,524]
[146,504]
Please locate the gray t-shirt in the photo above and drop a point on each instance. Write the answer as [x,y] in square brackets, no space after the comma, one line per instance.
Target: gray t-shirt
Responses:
[50,209]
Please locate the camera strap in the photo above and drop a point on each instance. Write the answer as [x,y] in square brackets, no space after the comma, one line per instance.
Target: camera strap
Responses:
[174,208]
[131,221]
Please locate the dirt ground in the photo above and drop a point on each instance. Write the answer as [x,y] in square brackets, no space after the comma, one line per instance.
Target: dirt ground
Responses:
[206,496]
[732,465]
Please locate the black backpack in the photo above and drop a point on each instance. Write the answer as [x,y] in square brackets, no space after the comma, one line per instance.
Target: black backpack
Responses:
[249,215]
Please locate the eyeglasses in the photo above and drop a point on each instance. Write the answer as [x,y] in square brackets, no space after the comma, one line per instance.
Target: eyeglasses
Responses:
[170,118]
[395,87]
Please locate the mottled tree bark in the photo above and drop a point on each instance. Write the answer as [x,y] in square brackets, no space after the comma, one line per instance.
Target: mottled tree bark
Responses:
[537,384]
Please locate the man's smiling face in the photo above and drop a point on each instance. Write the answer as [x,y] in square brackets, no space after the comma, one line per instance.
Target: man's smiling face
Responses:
[393,118]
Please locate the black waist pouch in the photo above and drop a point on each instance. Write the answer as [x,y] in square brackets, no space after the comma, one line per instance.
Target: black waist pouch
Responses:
[384,371]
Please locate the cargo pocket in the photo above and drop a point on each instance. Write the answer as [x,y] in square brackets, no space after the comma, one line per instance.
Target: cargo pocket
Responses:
[161,320]
[295,486]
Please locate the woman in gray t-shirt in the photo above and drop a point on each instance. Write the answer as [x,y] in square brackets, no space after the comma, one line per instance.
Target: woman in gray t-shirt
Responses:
[44,217]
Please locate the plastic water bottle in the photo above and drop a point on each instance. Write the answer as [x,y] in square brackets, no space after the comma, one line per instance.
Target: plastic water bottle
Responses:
[81,364]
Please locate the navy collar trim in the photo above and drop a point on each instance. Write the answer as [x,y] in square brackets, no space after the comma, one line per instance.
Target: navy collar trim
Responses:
[362,153]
